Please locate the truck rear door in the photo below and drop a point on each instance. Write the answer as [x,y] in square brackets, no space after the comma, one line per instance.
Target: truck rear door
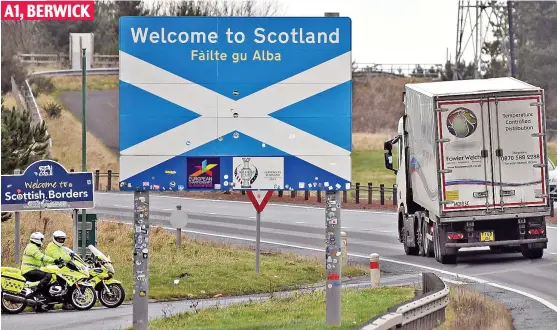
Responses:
[490,152]
[517,137]
[465,155]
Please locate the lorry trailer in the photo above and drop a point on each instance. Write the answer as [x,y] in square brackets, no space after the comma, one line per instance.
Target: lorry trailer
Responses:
[472,168]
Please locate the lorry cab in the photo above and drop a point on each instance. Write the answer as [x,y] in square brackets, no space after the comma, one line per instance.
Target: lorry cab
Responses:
[472,168]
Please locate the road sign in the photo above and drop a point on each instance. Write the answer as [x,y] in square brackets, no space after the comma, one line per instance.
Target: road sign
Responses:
[178,218]
[221,103]
[259,198]
[46,185]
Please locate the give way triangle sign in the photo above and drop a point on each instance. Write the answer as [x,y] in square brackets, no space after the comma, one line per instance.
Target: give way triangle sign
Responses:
[259,198]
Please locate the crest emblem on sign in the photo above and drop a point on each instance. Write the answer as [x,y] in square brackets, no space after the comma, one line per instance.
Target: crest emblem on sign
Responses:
[246,174]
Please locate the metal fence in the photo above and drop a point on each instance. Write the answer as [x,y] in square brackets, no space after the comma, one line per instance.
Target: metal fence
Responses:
[63,59]
[400,70]
[425,311]
[359,194]
[360,69]
[26,100]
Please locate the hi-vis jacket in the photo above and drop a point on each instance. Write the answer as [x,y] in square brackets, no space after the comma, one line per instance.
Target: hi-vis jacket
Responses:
[33,258]
[57,252]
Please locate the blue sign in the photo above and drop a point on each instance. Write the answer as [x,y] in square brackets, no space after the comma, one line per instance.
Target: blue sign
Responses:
[221,103]
[46,185]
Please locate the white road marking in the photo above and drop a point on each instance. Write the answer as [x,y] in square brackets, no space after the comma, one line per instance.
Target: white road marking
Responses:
[300,222]
[471,278]
[247,202]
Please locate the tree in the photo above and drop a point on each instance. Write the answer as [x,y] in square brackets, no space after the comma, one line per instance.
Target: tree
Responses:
[22,142]
[11,67]
[465,71]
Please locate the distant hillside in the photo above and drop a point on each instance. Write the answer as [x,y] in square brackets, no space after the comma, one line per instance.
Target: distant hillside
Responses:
[377,103]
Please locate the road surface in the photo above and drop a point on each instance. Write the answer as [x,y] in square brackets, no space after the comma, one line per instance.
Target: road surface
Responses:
[102,114]
[302,227]
[367,231]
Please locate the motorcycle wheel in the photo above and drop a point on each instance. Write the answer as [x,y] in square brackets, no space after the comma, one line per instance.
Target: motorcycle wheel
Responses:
[10,307]
[83,301]
[112,300]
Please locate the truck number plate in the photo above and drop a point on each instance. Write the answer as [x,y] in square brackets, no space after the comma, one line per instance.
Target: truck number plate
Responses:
[487,236]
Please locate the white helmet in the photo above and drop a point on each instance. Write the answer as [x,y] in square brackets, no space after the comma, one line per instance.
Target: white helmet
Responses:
[59,237]
[37,238]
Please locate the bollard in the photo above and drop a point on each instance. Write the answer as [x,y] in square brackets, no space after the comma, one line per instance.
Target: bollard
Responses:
[374,270]
[344,248]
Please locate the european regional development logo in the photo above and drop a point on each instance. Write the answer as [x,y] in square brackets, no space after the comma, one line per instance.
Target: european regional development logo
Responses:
[203,173]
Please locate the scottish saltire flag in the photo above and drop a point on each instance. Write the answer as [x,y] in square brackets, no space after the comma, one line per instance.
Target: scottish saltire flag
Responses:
[220,103]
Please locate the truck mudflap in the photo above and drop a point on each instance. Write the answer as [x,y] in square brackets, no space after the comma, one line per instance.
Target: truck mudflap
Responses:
[540,243]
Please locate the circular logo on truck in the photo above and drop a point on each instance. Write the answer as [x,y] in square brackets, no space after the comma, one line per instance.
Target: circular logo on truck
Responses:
[462,122]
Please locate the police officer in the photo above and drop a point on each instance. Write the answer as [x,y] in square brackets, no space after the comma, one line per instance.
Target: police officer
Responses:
[33,259]
[55,250]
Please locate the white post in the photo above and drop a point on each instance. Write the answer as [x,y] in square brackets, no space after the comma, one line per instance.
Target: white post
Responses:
[374,271]
[344,248]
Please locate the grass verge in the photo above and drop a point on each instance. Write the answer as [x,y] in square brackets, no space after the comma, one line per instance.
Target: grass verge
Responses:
[94,82]
[205,268]
[304,311]
[65,132]
[470,309]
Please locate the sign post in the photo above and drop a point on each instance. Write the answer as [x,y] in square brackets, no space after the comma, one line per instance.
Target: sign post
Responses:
[17,230]
[83,142]
[259,199]
[141,259]
[333,255]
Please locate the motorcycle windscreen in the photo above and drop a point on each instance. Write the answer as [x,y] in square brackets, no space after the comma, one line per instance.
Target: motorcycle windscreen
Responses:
[518,151]
[465,160]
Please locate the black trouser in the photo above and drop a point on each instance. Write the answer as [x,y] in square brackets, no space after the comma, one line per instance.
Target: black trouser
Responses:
[38,275]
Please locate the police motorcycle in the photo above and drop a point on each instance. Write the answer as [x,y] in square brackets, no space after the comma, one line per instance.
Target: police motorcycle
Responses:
[110,291]
[69,283]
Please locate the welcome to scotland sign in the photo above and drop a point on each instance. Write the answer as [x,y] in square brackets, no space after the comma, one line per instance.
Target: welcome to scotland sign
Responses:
[220,103]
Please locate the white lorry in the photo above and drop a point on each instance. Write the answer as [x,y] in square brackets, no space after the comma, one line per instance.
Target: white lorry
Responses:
[472,168]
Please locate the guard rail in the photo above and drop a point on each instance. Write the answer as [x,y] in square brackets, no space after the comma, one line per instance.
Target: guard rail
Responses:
[425,311]
[70,72]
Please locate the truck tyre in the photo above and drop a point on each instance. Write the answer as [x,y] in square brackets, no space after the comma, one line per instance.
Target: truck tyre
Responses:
[440,254]
[531,253]
[427,244]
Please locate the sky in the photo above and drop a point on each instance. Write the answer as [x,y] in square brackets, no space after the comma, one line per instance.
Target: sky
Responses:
[391,31]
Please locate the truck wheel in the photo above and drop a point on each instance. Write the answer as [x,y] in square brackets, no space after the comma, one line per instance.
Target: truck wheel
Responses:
[427,244]
[531,253]
[441,255]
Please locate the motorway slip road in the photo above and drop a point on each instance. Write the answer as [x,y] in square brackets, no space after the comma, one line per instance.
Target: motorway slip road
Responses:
[367,231]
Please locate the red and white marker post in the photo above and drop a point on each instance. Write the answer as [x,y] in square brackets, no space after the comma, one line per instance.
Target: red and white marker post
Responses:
[374,270]
[259,199]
